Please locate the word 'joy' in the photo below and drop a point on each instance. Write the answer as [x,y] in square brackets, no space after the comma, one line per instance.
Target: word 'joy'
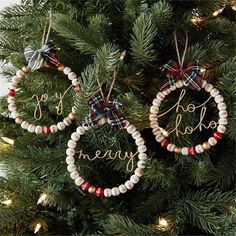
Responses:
[190,108]
[109,155]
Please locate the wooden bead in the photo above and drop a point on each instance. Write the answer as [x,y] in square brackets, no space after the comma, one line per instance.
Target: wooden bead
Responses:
[134,179]
[31,128]
[70,160]
[160,96]
[141,164]
[136,135]
[67,70]
[223,121]
[14,114]
[172,87]
[79,181]
[24,125]
[46,130]
[16,79]
[53,129]
[71,144]
[61,126]
[115,191]
[217,135]
[156,131]
[177,150]
[164,143]
[38,129]
[214,92]
[70,151]
[156,102]
[192,151]
[72,116]
[159,138]
[11,100]
[142,148]
[204,83]
[212,141]
[80,130]
[206,145]
[18,120]
[85,186]
[170,147]
[107,192]
[20,73]
[71,167]
[154,109]
[12,107]
[131,129]
[219,99]
[75,82]
[71,76]
[92,189]
[139,172]
[99,192]
[221,129]
[75,136]
[209,87]
[67,121]
[13,86]
[61,67]
[179,84]
[142,156]
[166,92]
[129,184]
[11,93]
[223,114]
[25,69]
[153,124]
[184,151]
[74,175]
[139,141]
[199,148]
[221,106]
[122,188]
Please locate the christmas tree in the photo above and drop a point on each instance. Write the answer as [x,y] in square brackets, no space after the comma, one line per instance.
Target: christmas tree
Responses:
[119,46]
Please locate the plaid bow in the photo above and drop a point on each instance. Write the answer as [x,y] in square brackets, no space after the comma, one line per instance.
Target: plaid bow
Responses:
[190,75]
[109,111]
[45,56]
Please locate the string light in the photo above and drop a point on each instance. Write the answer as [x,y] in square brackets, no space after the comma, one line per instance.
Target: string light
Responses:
[202,70]
[42,198]
[7,202]
[196,20]
[8,140]
[122,55]
[37,228]
[163,222]
[217,12]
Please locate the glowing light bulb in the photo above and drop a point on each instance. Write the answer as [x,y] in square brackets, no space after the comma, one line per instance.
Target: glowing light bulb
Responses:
[7,202]
[37,228]
[42,198]
[122,55]
[8,140]
[163,222]
[202,70]
[217,12]
[196,20]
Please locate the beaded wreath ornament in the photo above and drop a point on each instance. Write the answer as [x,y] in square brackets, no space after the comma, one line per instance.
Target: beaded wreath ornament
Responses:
[105,112]
[46,56]
[188,77]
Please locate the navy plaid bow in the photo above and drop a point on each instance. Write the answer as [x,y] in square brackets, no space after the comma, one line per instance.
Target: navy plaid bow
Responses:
[101,110]
[190,75]
[45,56]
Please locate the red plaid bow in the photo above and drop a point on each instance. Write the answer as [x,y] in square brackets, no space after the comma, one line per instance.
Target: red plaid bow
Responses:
[190,75]
[100,110]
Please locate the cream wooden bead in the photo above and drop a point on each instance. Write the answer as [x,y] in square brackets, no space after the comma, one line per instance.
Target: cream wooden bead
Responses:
[154,109]
[14,114]
[75,136]
[61,126]
[131,129]
[72,116]
[184,151]
[153,116]
[139,141]
[170,147]
[75,82]
[129,184]
[223,121]
[139,172]
[74,174]
[212,141]
[223,114]
[38,129]
[24,125]
[67,121]
[153,124]
[172,87]
[107,192]
[156,102]
[20,73]
[67,70]
[13,86]
[142,156]
[221,129]
[219,98]
[206,145]
[126,122]
[12,107]
[160,96]
[134,179]
[11,100]
[79,181]
[122,188]
[71,144]
[92,189]
[221,106]
[80,130]
[71,75]
[31,128]
[156,131]
[16,79]
[166,92]
[142,148]
[53,129]
[159,138]
[71,167]
[199,148]
[103,121]
[204,83]
[70,160]
[70,151]
[214,92]
[18,120]
[179,84]
[115,191]
[209,87]
[141,164]
[136,135]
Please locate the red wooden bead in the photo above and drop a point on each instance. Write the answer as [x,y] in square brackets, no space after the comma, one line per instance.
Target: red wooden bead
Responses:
[164,143]
[11,93]
[99,192]
[217,135]
[192,151]
[85,186]
[46,130]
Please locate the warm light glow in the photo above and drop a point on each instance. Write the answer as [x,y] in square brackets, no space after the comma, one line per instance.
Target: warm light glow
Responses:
[202,70]
[42,198]
[7,202]
[37,228]
[196,20]
[8,140]
[163,223]
[164,132]
[122,55]
[216,13]
[233,7]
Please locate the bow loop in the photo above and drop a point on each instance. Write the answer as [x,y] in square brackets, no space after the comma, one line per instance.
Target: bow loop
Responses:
[190,75]
[102,110]
[45,56]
